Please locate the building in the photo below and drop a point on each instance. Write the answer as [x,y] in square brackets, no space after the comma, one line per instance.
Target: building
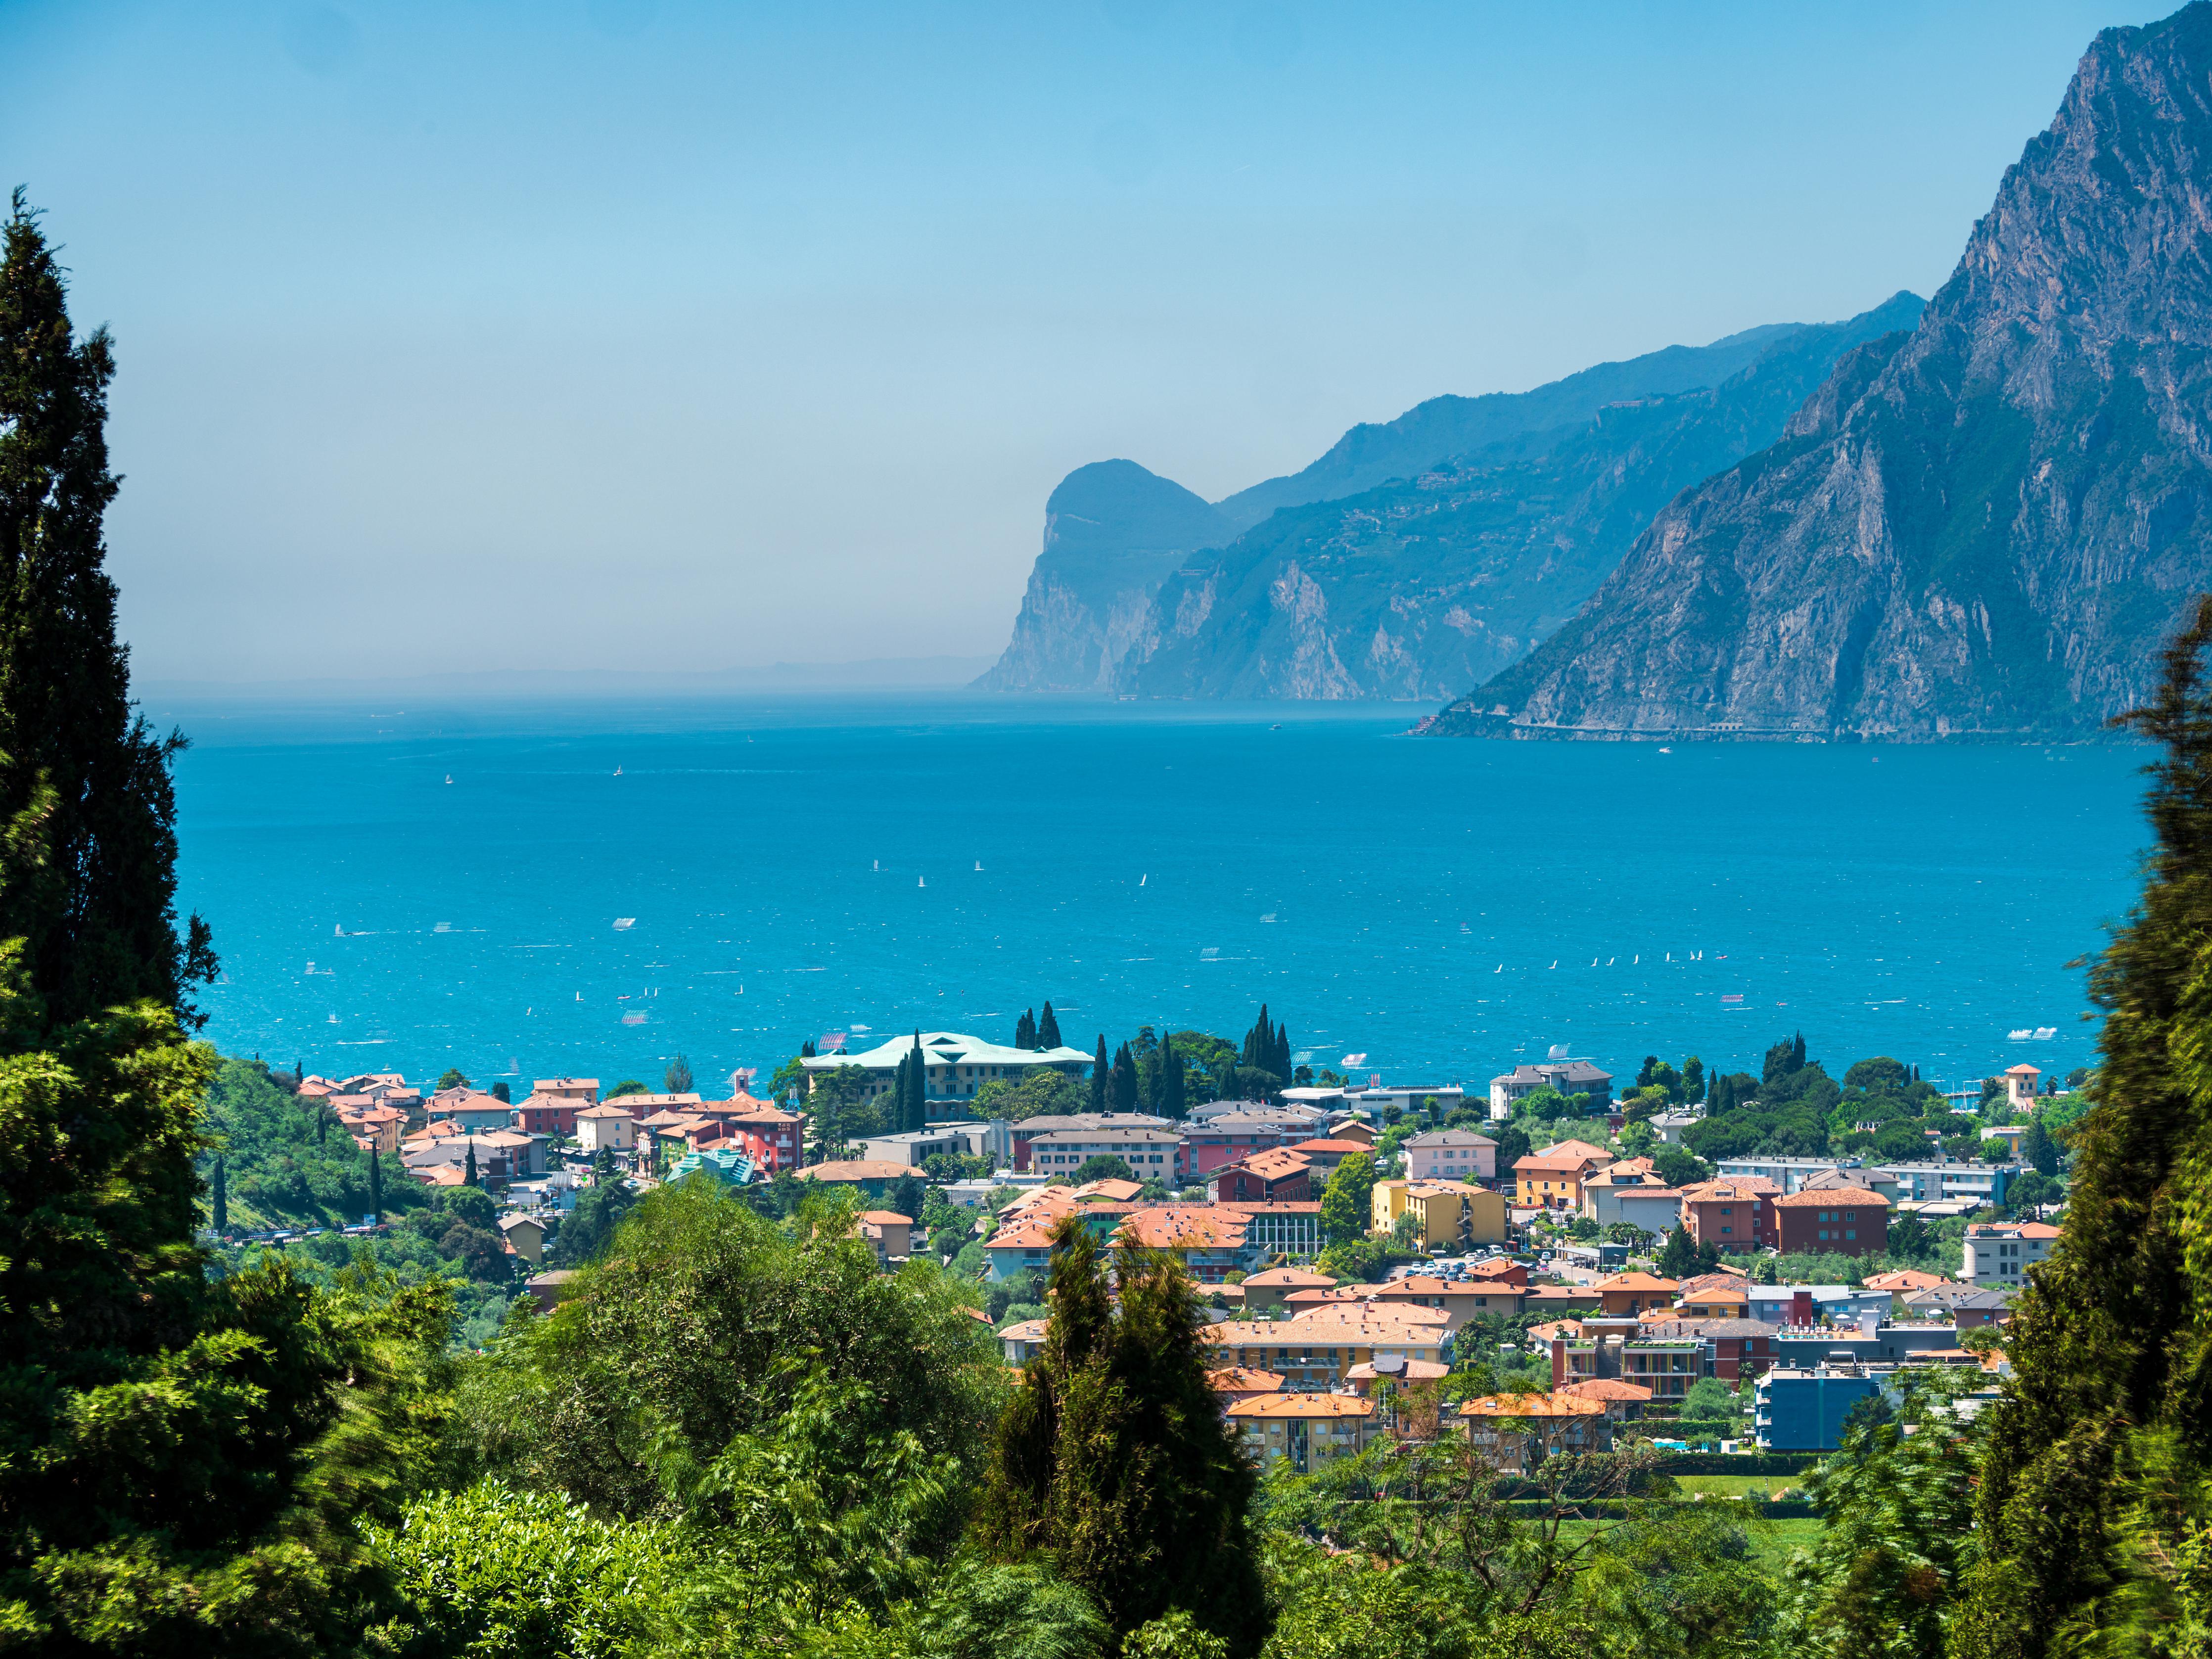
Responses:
[1272,1177]
[1871,1342]
[1802,1409]
[1460,1298]
[872,1176]
[1019,1247]
[1623,1403]
[1517,1432]
[1733,1348]
[1022,1134]
[1567,1076]
[1373,1101]
[1788,1175]
[1316,1351]
[1723,1295]
[472,1108]
[1233,1384]
[890,1233]
[912,1148]
[1902,1283]
[771,1137]
[1024,1341]
[1402,1373]
[1838,1220]
[551,1115]
[1211,1240]
[1309,1430]
[610,1128]
[1801,1307]
[1151,1154]
[1966,1307]
[1451,1213]
[1326,1154]
[1638,1199]
[1267,1290]
[1967,1186]
[954,1065]
[1229,1136]
[525,1236]
[1625,1295]
[2019,1087]
[1288,1228]
[1553,1179]
[1735,1214]
[1451,1155]
[2001,1252]
[1669,1125]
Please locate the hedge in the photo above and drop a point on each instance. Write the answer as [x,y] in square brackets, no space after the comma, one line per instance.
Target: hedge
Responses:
[1695,1463]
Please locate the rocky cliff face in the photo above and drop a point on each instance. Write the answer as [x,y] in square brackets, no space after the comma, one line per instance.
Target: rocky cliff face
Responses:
[1420,587]
[1112,532]
[1987,528]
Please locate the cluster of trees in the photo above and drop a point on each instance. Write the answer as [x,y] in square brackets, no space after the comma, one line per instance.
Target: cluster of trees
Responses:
[1032,1032]
[274,1162]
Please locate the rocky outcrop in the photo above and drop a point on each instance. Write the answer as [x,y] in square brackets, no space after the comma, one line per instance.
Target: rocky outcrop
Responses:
[1424,585]
[1985,528]
[1112,530]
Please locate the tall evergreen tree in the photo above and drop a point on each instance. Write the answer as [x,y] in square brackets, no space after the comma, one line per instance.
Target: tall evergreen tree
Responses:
[2037,1149]
[158,1425]
[1102,1070]
[1026,1030]
[915,1117]
[375,1190]
[1048,1035]
[1260,1042]
[1124,1091]
[1174,1097]
[678,1078]
[1693,1079]
[469,1175]
[1112,1463]
[2093,1493]
[219,1197]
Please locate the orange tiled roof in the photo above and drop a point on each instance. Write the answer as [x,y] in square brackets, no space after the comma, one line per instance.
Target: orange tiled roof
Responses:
[1558,1405]
[1289,1279]
[1182,1227]
[1858,1195]
[1304,1405]
[1606,1387]
[1638,1282]
[1240,1379]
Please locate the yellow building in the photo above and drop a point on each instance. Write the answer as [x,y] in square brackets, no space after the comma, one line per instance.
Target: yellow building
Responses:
[1553,1179]
[1451,1212]
[1308,1429]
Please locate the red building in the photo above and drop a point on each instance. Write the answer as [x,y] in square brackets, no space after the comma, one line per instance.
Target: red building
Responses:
[1736,1215]
[1735,1348]
[771,1137]
[1275,1176]
[1235,1135]
[549,1114]
[1832,1220]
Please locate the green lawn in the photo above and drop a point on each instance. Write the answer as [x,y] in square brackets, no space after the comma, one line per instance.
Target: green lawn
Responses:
[1772,1542]
[1735,1485]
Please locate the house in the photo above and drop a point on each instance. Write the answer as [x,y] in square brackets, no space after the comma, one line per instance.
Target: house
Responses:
[1624,1402]
[472,1108]
[1309,1430]
[1903,1283]
[376,1126]
[1803,1409]
[1451,1155]
[722,1160]
[1151,1154]
[1399,1373]
[1735,1214]
[526,1236]
[914,1147]
[609,1128]
[1448,1212]
[1317,1351]
[1374,1100]
[1568,1077]
[954,1065]
[1267,1290]
[1620,1196]
[1024,1341]
[1326,1154]
[1967,1306]
[1838,1220]
[1234,1384]
[1264,1178]
[1054,1123]
[2019,1082]
[1733,1348]
[1225,1137]
[1460,1299]
[2001,1252]
[1211,1242]
[553,1114]
[1553,1179]
[1517,1432]
[1669,1125]
[872,1177]
[771,1136]
[1019,1248]
[1360,1135]
[1553,1300]
[523,1156]
[890,1233]
[1714,1296]
[1624,1296]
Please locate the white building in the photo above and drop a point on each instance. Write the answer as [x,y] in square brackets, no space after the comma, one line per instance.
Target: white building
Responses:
[1568,1077]
[954,1067]
[2001,1252]
[1451,1155]
[608,1126]
[2019,1087]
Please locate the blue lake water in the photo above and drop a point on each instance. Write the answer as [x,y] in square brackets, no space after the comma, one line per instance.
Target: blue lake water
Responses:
[1435,905]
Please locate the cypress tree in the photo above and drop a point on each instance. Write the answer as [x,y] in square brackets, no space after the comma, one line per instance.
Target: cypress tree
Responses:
[2037,1149]
[1174,1102]
[1125,1080]
[1025,1031]
[1798,1052]
[1113,1461]
[1048,1035]
[159,1425]
[1101,1071]
[2091,1490]
[1281,1068]
[917,1102]
[375,1189]
[469,1175]
[219,1191]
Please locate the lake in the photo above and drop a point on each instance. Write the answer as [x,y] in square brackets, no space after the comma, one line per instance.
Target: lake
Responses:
[550,887]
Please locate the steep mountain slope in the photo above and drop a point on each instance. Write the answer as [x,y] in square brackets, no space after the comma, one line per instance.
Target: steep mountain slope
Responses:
[1987,528]
[1374,452]
[1112,530]
[1416,588]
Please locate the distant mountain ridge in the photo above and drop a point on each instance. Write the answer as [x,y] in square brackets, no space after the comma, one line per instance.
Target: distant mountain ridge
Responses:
[1985,527]
[1114,531]
[1420,586]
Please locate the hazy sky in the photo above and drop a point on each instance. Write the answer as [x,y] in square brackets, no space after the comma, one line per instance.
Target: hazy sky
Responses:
[626,334]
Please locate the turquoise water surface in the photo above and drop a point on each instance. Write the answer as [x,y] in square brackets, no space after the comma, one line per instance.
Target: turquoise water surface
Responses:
[792,867]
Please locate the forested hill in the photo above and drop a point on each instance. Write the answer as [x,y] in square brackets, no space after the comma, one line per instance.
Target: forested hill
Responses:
[1985,528]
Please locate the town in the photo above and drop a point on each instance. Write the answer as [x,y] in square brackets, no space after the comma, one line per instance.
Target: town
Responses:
[1548,1265]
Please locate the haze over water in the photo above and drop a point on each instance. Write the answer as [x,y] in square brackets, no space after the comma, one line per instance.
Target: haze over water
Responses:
[1405,899]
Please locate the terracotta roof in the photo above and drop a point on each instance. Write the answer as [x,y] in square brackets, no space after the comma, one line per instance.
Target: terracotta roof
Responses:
[1332,1148]
[1027,1330]
[1240,1379]
[508,1223]
[1412,1285]
[1560,1404]
[1567,1155]
[1638,1281]
[604,1111]
[1273,1164]
[1714,1284]
[1378,1314]
[1746,1186]
[1315,1294]
[1905,1279]
[885,1217]
[552,1084]
[1412,1370]
[1318,1333]
[1496,1267]
[1021,1236]
[1289,1279]
[1303,1405]
[1566,1328]
[1561,1293]
[850,1169]
[1182,1227]
[1830,1195]
[1606,1387]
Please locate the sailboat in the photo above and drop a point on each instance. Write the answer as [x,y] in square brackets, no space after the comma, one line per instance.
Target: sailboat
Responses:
[875,864]
[339,930]
[1499,968]
[1555,963]
[979,866]
[1141,880]
[922,881]
[449,777]
[1593,962]
[1609,960]
[618,768]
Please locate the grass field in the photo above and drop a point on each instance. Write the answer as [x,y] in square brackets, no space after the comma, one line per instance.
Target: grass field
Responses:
[1735,1485]
[1772,1542]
